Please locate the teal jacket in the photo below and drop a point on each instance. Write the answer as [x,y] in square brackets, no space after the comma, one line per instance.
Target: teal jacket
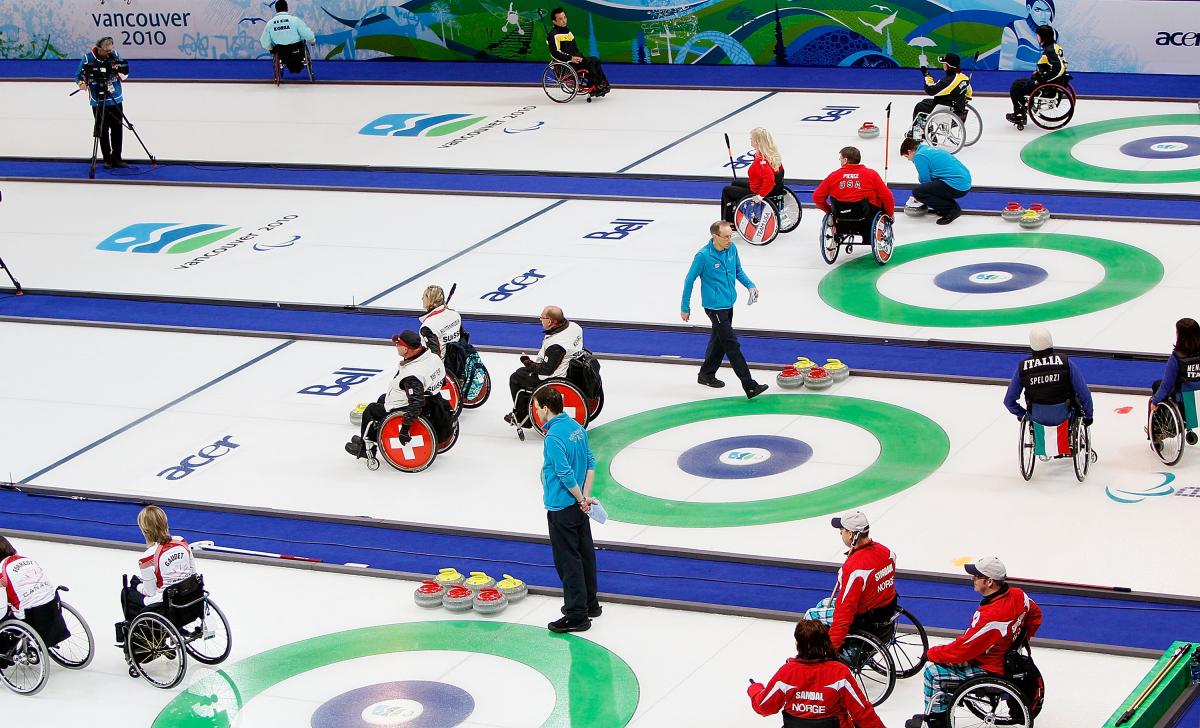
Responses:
[285,29]
[717,272]
[566,460]
[933,163]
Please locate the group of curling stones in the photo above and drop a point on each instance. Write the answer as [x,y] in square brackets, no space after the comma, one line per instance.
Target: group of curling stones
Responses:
[807,373]
[458,593]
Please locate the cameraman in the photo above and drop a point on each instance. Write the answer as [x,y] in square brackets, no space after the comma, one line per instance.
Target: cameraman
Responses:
[100,72]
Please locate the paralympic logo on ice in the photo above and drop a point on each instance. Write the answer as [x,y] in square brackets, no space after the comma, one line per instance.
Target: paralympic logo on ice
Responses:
[1137,496]
[168,237]
[411,125]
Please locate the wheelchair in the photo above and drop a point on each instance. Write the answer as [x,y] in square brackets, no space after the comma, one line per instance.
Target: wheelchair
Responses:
[1170,428]
[415,456]
[578,403]
[881,651]
[1050,105]
[23,649]
[759,223]
[1079,445]
[281,67]
[846,225]
[949,129]
[472,378]
[562,82]
[991,700]
[159,639]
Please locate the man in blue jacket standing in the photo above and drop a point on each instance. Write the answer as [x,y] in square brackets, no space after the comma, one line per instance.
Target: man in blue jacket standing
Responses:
[568,467]
[106,98]
[718,267]
[943,179]
[286,35]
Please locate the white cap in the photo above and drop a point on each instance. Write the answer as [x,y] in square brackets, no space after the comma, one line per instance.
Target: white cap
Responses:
[855,521]
[989,567]
[1039,339]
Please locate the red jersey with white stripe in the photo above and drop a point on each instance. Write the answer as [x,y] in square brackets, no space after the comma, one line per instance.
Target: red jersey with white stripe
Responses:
[866,581]
[995,624]
[762,177]
[854,182]
[24,584]
[163,565]
[815,690]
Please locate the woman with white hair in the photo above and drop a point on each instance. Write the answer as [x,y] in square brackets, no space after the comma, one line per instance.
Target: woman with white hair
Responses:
[764,178]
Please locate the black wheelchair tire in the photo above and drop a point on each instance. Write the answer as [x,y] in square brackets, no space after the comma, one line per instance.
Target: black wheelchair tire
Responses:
[767,205]
[828,252]
[156,627]
[206,659]
[87,632]
[993,683]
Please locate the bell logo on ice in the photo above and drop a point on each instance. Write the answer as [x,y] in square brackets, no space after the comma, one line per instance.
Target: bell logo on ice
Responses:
[621,228]
[411,125]
[165,237]
[347,377]
[831,113]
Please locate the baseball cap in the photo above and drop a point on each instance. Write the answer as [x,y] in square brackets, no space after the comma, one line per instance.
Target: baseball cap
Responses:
[409,338]
[951,59]
[852,521]
[989,567]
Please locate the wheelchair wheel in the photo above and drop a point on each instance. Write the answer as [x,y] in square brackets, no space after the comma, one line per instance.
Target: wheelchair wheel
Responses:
[208,639]
[75,652]
[479,388]
[413,457]
[1166,433]
[154,650]
[871,664]
[560,82]
[790,211]
[829,244]
[989,701]
[595,405]
[278,67]
[1051,106]
[451,391]
[944,130]
[1025,448]
[1081,450]
[882,238]
[574,404]
[974,126]
[448,443]
[909,647]
[308,64]
[756,222]
[24,668]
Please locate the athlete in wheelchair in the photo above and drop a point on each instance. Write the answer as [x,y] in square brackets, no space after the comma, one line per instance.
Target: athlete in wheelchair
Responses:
[562,362]
[168,614]
[761,207]
[1059,408]
[286,38]
[36,624]
[1172,417]
[857,204]
[986,676]
[947,119]
[1047,96]
[411,423]
[443,333]
[874,636]
[570,72]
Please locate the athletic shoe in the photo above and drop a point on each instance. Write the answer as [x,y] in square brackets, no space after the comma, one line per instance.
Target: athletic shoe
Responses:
[756,390]
[355,448]
[592,613]
[511,419]
[120,164]
[561,626]
[710,381]
[1016,119]
[949,217]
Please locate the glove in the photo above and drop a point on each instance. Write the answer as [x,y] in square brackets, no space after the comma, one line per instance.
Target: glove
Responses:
[404,438]
[1087,421]
[754,689]
[924,70]
[527,362]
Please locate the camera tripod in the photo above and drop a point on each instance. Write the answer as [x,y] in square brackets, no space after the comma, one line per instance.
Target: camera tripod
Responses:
[99,126]
[16,284]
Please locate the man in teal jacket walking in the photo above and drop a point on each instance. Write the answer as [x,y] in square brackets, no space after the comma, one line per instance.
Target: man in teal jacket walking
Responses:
[718,268]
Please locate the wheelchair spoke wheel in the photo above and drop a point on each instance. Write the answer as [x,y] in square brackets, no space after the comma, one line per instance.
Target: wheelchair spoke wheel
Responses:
[790,211]
[757,222]
[1051,106]
[1081,450]
[871,664]
[909,646]
[986,702]
[829,244]
[1166,433]
[208,639]
[480,387]
[449,442]
[945,130]
[155,651]
[560,82]
[75,652]
[882,239]
[1025,448]
[974,126]
[23,667]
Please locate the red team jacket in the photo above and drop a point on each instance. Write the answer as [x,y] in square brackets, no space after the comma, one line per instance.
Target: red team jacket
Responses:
[866,581]
[815,690]
[854,182]
[762,177]
[992,630]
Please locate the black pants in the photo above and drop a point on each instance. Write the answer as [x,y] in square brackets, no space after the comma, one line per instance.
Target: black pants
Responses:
[110,131]
[574,560]
[521,384]
[596,76]
[731,195]
[372,416]
[723,343]
[46,620]
[292,56]
[1019,91]
[938,196]
[133,602]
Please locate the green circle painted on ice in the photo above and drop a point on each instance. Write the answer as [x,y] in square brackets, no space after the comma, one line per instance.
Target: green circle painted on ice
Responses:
[911,447]
[1129,272]
[1051,153]
[592,685]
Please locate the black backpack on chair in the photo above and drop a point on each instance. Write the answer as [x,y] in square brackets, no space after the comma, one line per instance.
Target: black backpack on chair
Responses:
[1020,669]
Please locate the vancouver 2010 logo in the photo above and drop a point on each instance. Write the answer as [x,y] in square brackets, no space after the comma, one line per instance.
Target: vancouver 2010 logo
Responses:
[165,237]
[411,125]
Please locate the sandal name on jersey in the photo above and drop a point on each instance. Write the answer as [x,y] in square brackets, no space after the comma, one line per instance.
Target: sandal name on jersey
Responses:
[206,455]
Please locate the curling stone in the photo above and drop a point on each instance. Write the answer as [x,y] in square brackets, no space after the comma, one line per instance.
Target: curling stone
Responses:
[1031,219]
[1012,211]
[1041,210]
[429,594]
[913,208]
[479,580]
[818,378]
[513,588]
[458,598]
[490,601]
[356,414]
[449,577]
[837,369]
[868,130]
[803,365]
[789,378]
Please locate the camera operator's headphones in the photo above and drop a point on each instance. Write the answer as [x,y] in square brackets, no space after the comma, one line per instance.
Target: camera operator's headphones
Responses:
[101,41]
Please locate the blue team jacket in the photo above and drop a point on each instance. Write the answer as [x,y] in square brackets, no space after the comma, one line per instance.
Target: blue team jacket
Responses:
[717,272]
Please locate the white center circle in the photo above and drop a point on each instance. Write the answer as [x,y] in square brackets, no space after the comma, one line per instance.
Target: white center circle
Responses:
[1168,147]
[745,456]
[991,277]
[393,712]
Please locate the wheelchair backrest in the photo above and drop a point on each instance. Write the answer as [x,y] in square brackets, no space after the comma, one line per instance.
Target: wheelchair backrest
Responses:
[1021,670]
[185,593]
[856,211]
